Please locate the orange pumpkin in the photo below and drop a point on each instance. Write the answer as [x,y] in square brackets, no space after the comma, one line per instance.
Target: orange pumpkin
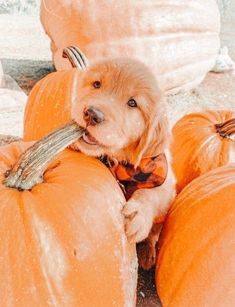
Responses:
[178,39]
[49,103]
[196,262]
[201,142]
[62,240]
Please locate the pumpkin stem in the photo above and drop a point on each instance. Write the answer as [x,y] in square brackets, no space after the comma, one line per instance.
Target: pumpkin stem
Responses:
[76,57]
[29,169]
[226,129]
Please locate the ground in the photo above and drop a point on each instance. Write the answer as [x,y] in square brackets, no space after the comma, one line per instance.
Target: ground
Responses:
[28,59]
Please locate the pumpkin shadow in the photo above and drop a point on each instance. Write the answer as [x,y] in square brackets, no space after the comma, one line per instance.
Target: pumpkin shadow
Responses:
[146,290]
[26,72]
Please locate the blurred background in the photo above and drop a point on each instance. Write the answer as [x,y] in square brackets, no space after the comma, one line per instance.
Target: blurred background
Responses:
[227,12]
[23,15]
[25,49]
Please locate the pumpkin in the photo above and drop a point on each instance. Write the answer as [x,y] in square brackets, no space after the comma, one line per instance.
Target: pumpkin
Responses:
[201,142]
[62,237]
[196,262]
[179,39]
[49,103]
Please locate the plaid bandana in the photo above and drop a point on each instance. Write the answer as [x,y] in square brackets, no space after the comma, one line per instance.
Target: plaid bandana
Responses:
[150,173]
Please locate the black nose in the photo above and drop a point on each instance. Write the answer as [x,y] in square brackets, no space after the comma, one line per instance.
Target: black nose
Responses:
[93,116]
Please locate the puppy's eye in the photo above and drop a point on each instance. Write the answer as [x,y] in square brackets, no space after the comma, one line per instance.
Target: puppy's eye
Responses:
[96,84]
[132,103]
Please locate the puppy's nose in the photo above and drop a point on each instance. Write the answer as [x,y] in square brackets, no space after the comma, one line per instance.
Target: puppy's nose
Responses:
[93,116]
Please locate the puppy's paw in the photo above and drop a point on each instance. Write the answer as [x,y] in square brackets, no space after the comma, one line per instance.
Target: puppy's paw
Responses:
[138,221]
[146,255]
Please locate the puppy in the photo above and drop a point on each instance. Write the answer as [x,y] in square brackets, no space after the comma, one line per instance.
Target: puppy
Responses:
[123,111]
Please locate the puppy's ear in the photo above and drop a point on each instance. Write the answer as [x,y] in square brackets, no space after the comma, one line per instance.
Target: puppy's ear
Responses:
[156,135]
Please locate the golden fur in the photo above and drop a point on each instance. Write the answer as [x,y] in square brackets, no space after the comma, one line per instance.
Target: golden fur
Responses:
[127,133]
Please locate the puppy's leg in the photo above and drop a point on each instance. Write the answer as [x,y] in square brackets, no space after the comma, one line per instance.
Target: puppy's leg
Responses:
[147,249]
[145,205]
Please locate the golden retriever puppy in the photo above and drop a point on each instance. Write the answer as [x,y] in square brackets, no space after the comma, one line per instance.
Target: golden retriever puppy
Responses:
[123,111]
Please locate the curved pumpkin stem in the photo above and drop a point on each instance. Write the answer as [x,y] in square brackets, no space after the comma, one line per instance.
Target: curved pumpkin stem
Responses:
[226,129]
[76,57]
[29,169]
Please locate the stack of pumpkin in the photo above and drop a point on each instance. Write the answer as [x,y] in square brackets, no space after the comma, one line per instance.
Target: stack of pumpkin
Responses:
[196,261]
[61,233]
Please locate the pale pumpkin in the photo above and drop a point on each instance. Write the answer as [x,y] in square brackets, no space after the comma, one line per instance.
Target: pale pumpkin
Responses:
[201,142]
[62,237]
[196,262]
[178,39]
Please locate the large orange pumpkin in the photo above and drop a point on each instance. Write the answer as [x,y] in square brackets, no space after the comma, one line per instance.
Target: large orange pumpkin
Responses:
[178,39]
[63,241]
[196,263]
[201,142]
[49,103]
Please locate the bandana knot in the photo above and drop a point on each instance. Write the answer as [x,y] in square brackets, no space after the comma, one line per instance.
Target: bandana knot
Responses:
[150,173]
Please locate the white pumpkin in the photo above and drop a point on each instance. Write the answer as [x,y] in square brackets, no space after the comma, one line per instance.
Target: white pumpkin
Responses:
[178,39]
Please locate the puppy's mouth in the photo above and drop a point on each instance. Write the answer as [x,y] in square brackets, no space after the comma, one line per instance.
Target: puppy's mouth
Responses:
[89,139]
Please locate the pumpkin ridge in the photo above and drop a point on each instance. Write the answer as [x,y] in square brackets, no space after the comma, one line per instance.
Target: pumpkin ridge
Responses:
[35,225]
[199,253]
[176,207]
[177,69]
[49,99]
[38,91]
[199,149]
[187,193]
[208,117]
[28,227]
[222,181]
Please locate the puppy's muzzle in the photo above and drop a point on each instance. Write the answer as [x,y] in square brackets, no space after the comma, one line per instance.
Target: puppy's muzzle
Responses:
[93,116]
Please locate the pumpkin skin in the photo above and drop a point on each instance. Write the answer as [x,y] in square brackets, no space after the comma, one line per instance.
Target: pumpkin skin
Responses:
[179,39]
[49,103]
[196,262]
[198,146]
[62,243]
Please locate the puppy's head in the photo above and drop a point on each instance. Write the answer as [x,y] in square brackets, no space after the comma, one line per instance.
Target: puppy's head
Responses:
[121,107]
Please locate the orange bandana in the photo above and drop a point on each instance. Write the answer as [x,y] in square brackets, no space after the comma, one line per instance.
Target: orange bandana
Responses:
[150,173]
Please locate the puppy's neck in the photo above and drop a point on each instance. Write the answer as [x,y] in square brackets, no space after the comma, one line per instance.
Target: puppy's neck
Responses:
[130,154]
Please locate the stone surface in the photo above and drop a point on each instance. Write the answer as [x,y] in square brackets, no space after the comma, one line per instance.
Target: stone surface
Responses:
[22,37]
[227,36]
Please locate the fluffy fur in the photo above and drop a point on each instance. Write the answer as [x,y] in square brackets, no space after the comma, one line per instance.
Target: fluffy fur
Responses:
[127,134]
